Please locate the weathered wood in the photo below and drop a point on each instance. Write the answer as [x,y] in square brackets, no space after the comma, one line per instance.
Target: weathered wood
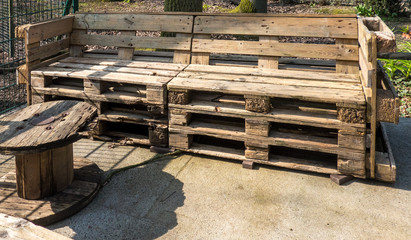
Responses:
[248,164]
[41,31]
[268,62]
[180,56]
[49,210]
[257,127]
[180,96]
[126,53]
[277,26]
[16,127]
[172,43]
[47,50]
[136,22]
[180,141]
[340,179]
[201,58]
[337,52]
[18,228]
[256,103]
[348,67]
[158,135]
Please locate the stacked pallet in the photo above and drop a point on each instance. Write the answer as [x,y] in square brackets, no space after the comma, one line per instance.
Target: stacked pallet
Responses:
[128,90]
[312,120]
[307,122]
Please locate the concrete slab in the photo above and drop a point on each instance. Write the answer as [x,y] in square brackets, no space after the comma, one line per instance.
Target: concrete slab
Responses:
[196,197]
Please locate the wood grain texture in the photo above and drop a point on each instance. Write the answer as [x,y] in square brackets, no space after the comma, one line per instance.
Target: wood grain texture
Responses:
[136,22]
[19,135]
[277,26]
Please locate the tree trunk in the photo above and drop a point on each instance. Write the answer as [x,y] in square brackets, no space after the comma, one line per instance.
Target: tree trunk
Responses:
[183,6]
[251,6]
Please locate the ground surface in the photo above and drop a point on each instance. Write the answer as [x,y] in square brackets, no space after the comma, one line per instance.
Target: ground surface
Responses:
[195,197]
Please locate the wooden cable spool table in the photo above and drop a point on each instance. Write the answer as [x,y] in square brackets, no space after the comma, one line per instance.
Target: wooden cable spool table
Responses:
[41,137]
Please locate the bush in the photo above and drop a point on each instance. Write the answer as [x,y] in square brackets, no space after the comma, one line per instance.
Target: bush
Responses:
[386,8]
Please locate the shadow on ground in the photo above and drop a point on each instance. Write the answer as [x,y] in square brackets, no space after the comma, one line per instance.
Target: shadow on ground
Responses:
[139,203]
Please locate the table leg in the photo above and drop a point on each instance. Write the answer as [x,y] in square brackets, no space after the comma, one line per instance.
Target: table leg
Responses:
[43,174]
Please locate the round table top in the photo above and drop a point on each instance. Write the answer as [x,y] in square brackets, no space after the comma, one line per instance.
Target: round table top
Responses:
[43,126]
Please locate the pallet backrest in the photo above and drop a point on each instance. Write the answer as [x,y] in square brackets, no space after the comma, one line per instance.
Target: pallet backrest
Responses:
[270,29]
[127,25]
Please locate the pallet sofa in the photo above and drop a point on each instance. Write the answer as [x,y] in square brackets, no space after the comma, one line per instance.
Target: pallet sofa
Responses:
[302,92]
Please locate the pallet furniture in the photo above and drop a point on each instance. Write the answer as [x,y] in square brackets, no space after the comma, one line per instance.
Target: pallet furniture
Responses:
[130,93]
[49,184]
[299,91]
[309,117]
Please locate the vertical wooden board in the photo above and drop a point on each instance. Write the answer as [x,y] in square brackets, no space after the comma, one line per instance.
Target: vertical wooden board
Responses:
[158,135]
[182,57]
[60,167]
[180,96]
[22,74]
[257,127]
[156,94]
[257,153]
[126,53]
[29,65]
[31,178]
[373,107]
[351,167]
[70,163]
[201,58]
[179,140]
[41,81]
[77,50]
[179,117]
[46,170]
[351,140]
[93,86]
[19,174]
[268,62]
[347,67]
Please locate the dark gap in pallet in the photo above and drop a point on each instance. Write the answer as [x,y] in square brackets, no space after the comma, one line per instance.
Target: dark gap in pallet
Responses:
[128,128]
[217,122]
[305,130]
[380,146]
[218,142]
[56,98]
[137,90]
[277,151]
[129,108]
[304,106]
[71,82]
[221,98]
[307,40]
[234,37]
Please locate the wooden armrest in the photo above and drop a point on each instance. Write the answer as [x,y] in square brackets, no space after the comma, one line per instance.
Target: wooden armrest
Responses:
[41,31]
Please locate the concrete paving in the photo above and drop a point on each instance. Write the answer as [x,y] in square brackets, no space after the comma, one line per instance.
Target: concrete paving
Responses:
[197,197]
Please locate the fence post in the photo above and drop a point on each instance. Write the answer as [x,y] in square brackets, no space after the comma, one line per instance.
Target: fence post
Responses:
[11,29]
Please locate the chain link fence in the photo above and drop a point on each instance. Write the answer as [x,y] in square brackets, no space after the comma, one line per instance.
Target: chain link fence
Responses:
[14,13]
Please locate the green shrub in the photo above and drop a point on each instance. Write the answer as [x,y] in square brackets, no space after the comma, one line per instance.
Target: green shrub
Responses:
[364,10]
[386,8]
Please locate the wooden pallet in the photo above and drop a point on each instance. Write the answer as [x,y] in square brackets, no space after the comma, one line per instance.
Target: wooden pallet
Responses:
[129,92]
[272,117]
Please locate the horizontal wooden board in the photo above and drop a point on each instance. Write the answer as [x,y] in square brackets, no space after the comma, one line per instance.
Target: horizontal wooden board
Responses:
[260,89]
[47,50]
[44,30]
[74,92]
[173,43]
[124,63]
[102,76]
[276,115]
[326,51]
[286,74]
[336,84]
[138,71]
[140,22]
[277,26]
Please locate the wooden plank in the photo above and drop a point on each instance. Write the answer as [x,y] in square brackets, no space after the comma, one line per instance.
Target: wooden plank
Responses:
[201,58]
[101,76]
[276,115]
[272,73]
[327,51]
[277,26]
[268,62]
[291,81]
[126,53]
[129,64]
[136,22]
[134,70]
[182,57]
[41,31]
[281,91]
[364,39]
[373,108]
[173,43]
[47,50]
[348,67]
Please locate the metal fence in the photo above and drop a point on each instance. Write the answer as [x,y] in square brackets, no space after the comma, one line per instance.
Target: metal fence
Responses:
[14,13]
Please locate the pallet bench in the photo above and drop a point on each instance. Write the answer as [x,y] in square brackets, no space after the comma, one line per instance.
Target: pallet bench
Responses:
[303,92]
